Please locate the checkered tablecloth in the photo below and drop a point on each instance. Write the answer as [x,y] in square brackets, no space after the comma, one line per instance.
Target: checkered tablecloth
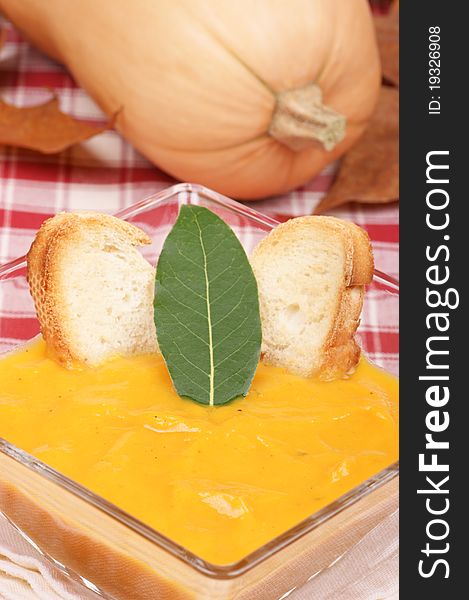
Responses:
[107,174]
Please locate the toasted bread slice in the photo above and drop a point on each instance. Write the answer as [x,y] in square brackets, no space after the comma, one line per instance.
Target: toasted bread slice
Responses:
[311,273]
[92,289]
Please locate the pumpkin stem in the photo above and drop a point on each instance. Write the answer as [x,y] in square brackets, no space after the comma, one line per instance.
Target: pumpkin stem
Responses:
[301,120]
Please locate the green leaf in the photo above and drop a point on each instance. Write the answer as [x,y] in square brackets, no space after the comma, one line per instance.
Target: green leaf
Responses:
[207,309]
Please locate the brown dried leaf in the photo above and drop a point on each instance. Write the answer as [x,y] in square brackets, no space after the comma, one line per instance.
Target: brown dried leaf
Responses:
[369,171]
[43,127]
[387,32]
[3,36]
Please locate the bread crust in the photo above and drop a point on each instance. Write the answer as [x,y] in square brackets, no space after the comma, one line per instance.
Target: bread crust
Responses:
[340,351]
[44,265]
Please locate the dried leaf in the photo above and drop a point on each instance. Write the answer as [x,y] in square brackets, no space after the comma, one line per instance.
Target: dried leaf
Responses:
[369,172]
[387,31]
[3,36]
[43,127]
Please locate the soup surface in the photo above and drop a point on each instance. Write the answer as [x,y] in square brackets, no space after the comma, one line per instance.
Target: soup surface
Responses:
[220,481]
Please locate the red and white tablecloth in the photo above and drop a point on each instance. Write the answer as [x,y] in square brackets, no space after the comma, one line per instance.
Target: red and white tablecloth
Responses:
[106,174]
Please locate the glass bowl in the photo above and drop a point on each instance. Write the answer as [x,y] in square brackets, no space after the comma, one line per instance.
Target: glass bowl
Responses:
[117,556]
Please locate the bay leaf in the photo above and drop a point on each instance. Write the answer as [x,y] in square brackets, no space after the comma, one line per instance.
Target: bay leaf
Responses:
[207,309]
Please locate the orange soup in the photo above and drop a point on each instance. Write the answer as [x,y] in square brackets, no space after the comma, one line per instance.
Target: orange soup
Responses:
[242,473]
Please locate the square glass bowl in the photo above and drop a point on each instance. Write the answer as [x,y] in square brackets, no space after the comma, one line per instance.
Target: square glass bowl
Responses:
[116,556]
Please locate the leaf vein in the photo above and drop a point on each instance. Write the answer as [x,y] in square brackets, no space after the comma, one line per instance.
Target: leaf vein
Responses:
[223,272]
[240,324]
[185,284]
[229,377]
[209,319]
[189,361]
[231,310]
[188,259]
[246,341]
[215,247]
[227,290]
[185,305]
[191,331]
[177,368]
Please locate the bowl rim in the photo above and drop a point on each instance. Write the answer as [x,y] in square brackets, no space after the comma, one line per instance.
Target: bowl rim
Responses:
[273,546]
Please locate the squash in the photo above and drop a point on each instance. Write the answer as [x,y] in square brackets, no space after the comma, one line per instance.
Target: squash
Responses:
[249,97]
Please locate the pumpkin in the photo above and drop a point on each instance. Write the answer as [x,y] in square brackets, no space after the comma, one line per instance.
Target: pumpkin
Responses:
[249,97]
